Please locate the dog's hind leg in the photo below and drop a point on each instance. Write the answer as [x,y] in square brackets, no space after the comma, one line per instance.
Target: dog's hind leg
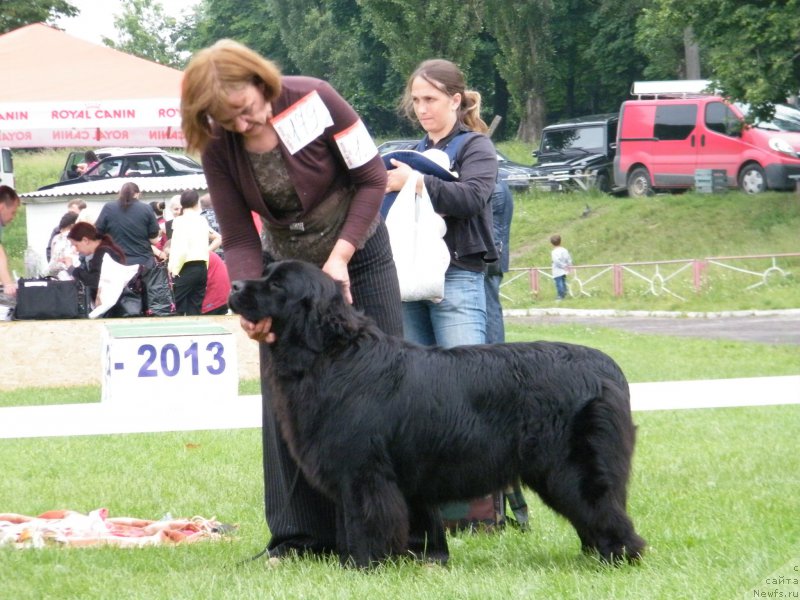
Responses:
[374,519]
[601,448]
[427,540]
[587,482]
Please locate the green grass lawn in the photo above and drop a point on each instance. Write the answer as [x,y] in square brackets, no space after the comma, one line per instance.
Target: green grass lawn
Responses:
[713,491]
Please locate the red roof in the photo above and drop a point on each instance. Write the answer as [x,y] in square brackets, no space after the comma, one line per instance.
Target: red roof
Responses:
[40,63]
[61,91]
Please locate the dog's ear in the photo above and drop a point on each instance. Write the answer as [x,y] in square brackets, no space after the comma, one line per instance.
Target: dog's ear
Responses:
[340,318]
[301,329]
[315,315]
[326,309]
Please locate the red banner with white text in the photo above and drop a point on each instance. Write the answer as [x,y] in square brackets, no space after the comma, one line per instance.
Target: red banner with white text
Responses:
[142,122]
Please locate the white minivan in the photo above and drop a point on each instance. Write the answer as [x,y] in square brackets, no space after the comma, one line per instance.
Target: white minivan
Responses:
[6,167]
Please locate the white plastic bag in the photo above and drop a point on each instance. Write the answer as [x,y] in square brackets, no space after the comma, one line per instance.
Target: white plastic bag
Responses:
[420,254]
[113,278]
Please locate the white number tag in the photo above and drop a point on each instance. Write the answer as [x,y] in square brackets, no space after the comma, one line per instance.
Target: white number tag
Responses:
[356,145]
[303,122]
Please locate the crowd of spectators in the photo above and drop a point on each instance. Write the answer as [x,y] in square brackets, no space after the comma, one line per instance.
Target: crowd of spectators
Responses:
[180,236]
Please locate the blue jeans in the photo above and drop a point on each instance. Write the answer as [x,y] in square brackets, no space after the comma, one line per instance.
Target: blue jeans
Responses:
[561,286]
[495,329]
[457,320]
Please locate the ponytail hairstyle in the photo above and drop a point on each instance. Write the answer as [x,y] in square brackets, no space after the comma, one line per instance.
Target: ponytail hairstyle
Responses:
[158,207]
[127,195]
[82,229]
[447,78]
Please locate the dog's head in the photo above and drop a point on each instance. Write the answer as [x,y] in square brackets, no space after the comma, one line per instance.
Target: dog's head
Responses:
[306,306]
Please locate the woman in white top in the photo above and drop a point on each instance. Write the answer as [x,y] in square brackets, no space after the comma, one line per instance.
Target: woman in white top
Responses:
[192,239]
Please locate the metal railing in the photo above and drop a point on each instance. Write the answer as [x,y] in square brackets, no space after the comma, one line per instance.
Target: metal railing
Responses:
[675,278]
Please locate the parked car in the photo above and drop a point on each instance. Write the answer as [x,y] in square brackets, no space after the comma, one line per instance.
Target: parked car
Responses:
[516,175]
[680,129]
[76,159]
[577,154]
[6,167]
[136,164]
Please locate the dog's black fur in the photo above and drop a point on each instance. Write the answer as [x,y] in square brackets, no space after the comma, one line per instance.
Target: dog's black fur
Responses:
[379,424]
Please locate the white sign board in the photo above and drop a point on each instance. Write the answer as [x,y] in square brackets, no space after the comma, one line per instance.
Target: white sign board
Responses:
[169,362]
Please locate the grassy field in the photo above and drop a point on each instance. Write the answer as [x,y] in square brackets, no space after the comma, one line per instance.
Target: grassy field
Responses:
[615,230]
[714,492]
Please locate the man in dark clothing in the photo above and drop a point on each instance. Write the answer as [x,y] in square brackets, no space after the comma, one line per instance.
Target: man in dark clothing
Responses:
[502,211]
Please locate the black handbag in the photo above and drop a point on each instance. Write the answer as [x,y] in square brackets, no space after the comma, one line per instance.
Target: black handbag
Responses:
[50,299]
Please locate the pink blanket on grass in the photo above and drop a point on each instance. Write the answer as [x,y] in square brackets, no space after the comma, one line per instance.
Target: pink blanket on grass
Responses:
[71,528]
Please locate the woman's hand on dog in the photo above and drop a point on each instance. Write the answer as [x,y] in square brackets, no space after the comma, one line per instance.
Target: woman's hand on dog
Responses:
[336,266]
[260,332]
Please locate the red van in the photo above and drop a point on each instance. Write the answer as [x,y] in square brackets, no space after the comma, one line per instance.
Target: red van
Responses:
[663,140]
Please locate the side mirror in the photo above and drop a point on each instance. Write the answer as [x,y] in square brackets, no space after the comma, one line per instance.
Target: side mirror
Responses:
[736,128]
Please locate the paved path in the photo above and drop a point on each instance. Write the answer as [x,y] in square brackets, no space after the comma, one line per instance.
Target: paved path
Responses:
[769,327]
[245,411]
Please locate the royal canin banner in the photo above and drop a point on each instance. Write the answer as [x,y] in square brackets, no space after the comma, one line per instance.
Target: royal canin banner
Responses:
[142,122]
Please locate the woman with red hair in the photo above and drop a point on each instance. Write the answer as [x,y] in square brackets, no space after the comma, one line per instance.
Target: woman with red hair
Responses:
[92,246]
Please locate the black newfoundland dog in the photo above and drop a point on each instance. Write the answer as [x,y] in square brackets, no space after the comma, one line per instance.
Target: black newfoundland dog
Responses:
[379,424]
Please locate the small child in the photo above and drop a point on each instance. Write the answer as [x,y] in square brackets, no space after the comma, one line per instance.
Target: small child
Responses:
[562,261]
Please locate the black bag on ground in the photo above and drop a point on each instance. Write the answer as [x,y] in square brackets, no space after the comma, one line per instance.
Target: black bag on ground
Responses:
[159,301]
[50,299]
[130,303]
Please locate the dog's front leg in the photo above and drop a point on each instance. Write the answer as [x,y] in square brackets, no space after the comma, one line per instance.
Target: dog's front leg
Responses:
[374,521]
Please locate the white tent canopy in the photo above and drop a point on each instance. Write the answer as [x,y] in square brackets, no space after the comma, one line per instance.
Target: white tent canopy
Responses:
[61,91]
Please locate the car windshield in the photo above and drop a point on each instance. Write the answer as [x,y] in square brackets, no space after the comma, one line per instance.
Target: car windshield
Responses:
[181,162]
[786,118]
[580,138]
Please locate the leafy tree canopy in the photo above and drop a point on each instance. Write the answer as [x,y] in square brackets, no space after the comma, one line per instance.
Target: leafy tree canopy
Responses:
[534,61]
[17,13]
[146,31]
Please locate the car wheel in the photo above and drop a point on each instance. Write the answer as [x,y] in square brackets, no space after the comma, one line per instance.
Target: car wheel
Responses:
[639,183]
[752,180]
[602,183]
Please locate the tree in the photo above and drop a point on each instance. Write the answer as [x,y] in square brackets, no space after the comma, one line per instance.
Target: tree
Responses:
[751,48]
[611,58]
[251,22]
[330,40]
[522,31]
[18,13]
[659,37]
[146,31]
[415,30]
[754,49]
